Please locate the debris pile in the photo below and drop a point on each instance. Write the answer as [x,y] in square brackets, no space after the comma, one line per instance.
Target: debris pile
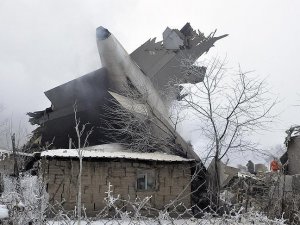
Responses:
[149,71]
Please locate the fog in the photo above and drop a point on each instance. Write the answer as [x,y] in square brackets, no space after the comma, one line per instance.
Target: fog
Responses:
[46,43]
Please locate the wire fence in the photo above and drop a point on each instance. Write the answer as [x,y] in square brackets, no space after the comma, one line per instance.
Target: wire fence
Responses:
[32,207]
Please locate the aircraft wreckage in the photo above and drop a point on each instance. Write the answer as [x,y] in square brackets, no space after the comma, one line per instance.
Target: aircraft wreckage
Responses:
[150,70]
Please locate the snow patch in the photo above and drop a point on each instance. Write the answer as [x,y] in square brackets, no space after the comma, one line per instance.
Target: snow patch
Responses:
[3,212]
[113,151]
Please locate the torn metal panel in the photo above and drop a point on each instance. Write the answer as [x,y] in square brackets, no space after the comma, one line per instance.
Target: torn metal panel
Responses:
[173,39]
[130,104]
[160,61]
[122,68]
[88,89]
[56,124]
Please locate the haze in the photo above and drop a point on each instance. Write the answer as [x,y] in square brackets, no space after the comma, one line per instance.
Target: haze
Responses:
[46,43]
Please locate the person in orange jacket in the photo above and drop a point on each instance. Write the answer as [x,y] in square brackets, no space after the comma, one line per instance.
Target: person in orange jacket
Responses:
[274,166]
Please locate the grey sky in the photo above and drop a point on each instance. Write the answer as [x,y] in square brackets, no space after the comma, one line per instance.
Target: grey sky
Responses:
[46,43]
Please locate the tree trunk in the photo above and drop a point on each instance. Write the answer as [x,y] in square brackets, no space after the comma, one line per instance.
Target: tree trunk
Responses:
[79,190]
[16,165]
[216,184]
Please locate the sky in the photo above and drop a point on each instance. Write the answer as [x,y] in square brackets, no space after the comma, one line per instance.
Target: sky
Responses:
[46,43]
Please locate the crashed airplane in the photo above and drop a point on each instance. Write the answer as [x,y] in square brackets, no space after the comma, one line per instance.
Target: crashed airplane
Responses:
[151,69]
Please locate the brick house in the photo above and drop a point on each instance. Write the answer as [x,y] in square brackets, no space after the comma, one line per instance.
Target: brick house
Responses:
[7,161]
[132,174]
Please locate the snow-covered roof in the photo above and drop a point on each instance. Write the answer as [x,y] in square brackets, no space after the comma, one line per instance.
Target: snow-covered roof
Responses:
[3,151]
[113,151]
[10,152]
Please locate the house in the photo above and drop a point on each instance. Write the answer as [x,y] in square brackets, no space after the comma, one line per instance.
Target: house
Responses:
[290,159]
[7,161]
[8,164]
[132,175]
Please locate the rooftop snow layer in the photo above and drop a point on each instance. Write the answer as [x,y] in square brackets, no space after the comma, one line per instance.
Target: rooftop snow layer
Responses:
[113,151]
[10,152]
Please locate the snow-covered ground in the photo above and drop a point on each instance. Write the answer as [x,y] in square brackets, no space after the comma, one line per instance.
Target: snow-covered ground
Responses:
[3,212]
[173,222]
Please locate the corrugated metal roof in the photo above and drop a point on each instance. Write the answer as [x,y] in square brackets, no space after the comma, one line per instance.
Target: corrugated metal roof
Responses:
[113,151]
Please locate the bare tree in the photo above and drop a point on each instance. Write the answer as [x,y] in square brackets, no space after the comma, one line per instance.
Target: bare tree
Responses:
[82,142]
[131,121]
[275,151]
[230,109]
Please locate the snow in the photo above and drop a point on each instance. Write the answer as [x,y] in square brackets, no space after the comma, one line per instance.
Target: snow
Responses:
[113,151]
[248,175]
[4,152]
[193,221]
[31,204]
[3,212]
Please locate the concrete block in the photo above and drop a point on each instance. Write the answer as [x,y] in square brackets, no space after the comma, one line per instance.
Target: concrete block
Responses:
[86,180]
[87,198]
[132,192]
[159,201]
[55,188]
[118,172]
[96,196]
[286,183]
[88,207]
[136,165]
[72,196]
[115,181]
[165,190]
[59,178]
[177,173]
[296,183]
[175,190]
[98,205]
[69,206]
[143,195]
[123,191]
[103,188]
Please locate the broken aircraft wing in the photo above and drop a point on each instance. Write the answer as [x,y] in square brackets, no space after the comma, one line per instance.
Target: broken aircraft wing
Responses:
[160,61]
[148,70]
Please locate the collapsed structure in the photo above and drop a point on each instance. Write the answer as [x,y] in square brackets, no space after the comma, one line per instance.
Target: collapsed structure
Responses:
[290,159]
[153,73]
[150,69]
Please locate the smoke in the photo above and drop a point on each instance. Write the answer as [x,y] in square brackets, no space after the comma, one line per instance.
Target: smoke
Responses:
[46,43]
[43,45]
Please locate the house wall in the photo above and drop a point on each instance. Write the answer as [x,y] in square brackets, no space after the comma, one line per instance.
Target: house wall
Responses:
[294,156]
[6,164]
[61,178]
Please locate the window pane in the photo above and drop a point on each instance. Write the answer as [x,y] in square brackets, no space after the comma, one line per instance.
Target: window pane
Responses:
[150,182]
[146,180]
[141,182]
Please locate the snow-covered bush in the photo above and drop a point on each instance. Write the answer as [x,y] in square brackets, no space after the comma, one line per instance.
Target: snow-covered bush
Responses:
[27,204]
[133,212]
[30,206]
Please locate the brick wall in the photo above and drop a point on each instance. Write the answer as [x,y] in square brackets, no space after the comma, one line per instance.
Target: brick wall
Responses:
[6,163]
[61,178]
[294,156]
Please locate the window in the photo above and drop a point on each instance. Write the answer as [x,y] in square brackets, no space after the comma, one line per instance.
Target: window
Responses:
[145,180]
